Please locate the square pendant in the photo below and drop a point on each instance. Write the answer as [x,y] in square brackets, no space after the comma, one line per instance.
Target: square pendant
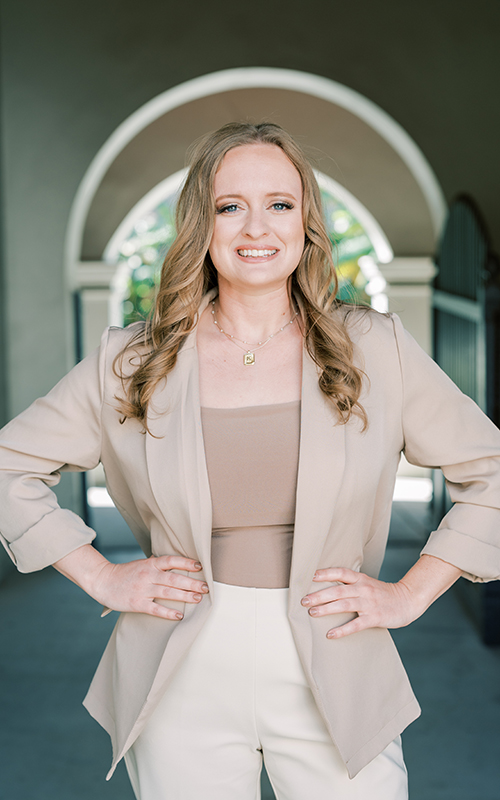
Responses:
[248,358]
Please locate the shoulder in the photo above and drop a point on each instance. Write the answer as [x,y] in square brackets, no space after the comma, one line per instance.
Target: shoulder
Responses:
[116,339]
[123,348]
[367,327]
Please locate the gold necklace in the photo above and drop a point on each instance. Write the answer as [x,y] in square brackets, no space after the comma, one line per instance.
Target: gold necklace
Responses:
[249,357]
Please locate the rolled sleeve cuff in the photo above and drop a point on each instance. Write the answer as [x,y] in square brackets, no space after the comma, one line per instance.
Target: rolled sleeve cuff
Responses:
[52,538]
[479,561]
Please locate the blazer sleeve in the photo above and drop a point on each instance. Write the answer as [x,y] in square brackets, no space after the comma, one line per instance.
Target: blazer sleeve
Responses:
[58,432]
[445,428]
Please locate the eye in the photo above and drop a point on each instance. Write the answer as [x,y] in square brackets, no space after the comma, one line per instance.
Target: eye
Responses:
[281,205]
[229,208]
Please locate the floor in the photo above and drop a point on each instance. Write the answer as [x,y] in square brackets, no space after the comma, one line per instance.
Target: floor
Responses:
[51,638]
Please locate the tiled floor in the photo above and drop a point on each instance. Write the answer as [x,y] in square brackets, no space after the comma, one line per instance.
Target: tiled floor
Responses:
[52,637]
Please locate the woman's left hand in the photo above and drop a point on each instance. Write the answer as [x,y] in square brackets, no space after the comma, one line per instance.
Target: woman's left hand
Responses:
[377,604]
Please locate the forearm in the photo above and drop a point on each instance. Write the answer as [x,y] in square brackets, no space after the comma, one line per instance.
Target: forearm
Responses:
[427,580]
[82,566]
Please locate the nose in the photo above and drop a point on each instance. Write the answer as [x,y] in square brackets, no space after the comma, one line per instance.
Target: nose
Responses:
[256,225]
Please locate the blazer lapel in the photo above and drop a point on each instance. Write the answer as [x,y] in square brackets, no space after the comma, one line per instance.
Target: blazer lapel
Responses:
[176,456]
[321,467]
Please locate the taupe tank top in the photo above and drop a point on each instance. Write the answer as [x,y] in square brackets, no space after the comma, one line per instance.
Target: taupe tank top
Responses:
[252,459]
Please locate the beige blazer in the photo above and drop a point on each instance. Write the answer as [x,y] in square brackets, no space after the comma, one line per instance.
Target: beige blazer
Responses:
[345,484]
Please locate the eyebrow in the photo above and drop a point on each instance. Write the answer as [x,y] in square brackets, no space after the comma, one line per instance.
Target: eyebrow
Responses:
[240,196]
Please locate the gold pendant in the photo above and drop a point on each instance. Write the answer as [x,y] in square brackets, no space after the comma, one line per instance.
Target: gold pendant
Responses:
[249,358]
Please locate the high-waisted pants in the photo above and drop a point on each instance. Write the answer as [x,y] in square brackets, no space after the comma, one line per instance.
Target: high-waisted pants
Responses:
[241,696]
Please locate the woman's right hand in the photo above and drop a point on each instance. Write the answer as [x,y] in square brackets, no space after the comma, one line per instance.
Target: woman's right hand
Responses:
[134,585]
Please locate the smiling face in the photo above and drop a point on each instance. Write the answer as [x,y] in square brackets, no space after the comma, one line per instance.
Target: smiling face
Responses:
[258,235]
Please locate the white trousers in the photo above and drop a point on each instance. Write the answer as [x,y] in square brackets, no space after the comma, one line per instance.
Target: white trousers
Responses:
[240,696]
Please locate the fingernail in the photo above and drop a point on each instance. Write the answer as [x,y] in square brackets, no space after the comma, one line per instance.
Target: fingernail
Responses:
[305,601]
[313,612]
[197,598]
[197,565]
[331,635]
[316,575]
[179,615]
[204,587]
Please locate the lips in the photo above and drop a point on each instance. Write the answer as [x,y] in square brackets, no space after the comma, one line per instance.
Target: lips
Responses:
[256,253]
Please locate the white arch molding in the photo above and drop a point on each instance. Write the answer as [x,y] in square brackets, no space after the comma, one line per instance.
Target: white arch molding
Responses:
[244,78]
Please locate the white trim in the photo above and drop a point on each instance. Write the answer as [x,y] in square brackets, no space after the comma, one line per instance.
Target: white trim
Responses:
[409,269]
[241,78]
[414,290]
[379,240]
[95,274]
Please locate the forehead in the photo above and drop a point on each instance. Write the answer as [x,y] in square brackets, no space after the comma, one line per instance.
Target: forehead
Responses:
[254,165]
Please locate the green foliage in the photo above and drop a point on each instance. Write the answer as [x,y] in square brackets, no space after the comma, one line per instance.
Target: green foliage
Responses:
[144,251]
[349,243]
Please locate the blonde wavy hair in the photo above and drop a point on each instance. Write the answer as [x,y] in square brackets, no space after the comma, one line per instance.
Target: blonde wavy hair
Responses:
[188,273]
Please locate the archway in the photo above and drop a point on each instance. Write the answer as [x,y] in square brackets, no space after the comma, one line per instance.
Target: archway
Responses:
[349,138]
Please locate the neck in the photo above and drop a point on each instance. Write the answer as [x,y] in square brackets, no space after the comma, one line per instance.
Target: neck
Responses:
[253,317]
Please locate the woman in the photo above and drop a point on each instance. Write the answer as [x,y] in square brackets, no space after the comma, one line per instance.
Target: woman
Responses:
[253,410]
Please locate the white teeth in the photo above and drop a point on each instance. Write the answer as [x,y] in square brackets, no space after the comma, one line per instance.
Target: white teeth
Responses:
[256,253]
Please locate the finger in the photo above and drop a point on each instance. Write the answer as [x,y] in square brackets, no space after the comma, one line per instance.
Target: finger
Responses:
[156,610]
[338,592]
[337,607]
[342,574]
[181,582]
[167,593]
[354,626]
[176,562]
